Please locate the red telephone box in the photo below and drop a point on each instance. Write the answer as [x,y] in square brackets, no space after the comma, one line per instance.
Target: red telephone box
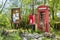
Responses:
[43,18]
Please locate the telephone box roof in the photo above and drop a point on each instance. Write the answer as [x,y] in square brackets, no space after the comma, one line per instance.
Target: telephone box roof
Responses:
[44,7]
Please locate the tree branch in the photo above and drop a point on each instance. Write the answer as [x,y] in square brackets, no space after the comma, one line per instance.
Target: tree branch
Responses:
[3,6]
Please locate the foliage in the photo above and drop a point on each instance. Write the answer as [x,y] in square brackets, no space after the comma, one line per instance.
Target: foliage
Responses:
[25,22]
[11,36]
[4,21]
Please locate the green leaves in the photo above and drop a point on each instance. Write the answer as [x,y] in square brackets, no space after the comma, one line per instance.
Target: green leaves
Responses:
[26,1]
[4,21]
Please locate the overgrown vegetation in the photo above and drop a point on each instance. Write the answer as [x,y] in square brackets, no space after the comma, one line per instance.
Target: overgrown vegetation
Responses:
[26,9]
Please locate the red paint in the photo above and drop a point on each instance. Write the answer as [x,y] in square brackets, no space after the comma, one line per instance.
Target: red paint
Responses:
[44,9]
[32,19]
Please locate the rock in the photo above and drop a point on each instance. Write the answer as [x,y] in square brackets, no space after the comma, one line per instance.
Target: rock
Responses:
[34,39]
[26,35]
[37,36]
[52,35]
[58,38]
[40,39]
[46,34]
[24,38]
[5,33]
[34,36]
[21,34]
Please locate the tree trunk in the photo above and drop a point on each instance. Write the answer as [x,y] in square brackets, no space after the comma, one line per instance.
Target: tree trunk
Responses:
[32,6]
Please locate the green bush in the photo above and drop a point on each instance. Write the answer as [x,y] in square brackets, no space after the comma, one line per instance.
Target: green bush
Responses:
[4,21]
[10,36]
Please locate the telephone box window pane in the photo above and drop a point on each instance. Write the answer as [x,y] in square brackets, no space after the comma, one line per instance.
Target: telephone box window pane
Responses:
[42,18]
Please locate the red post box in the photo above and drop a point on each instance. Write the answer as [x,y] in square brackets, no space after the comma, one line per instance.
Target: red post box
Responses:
[32,19]
[43,18]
